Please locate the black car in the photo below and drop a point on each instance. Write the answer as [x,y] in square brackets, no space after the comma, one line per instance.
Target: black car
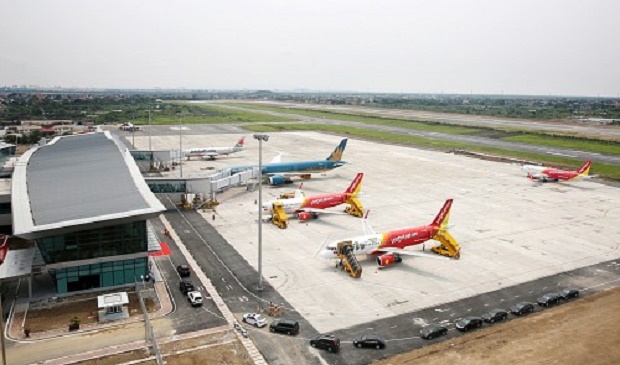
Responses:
[567,294]
[433,330]
[183,271]
[284,326]
[495,315]
[330,343]
[186,286]
[468,323]
[522,308]
[372,342]
[548,299]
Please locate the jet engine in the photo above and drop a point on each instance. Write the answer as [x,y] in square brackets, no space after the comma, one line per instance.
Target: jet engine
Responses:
[304,216]
[386,260]
[279,180]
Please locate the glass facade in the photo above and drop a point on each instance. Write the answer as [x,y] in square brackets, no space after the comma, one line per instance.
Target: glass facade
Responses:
[116,240]
[6,151]
[99,275]
[161,187]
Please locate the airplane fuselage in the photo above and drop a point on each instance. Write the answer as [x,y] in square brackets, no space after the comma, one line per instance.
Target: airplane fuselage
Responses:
[291,167]
[547,173]
[374,243]
[212,151]
[295,205]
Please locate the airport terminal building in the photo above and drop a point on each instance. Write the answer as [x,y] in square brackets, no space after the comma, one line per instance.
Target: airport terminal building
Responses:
[84,202]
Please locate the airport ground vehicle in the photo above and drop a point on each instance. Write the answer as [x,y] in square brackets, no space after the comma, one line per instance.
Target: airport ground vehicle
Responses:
[327,342]
[186,286]
[284,326]
[549,299]
[254,319]
[468,323]
[569,294]
[433,330]
[522,308]
[369,341]
[495,315]
[195,298]
[184,271]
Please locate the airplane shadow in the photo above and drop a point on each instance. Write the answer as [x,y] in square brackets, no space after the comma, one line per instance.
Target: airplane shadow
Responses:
[408,265]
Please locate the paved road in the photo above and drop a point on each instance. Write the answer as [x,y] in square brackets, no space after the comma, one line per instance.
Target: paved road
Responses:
[460,119]
[236,282]
[474,140]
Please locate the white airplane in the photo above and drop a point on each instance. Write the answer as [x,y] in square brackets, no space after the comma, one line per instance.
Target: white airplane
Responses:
[210,153]
[388,246]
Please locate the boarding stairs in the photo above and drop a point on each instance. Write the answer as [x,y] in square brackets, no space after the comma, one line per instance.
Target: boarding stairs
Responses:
[348,259]
[447,245]
[355,207]
[279,217]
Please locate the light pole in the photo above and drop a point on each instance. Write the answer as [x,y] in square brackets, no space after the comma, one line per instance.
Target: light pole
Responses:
[181,143]
[261,138]
[150,128]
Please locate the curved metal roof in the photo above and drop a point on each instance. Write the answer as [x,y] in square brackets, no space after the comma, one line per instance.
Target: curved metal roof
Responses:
[75,181]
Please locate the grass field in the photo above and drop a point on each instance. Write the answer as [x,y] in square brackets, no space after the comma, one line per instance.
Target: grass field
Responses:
[429,126]
[205,114]
[606,171]
[612,148]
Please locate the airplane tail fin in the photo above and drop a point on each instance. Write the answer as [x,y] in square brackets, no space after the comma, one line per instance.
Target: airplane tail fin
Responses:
[443,217]
[356,185]
[240,142]
[584,170]
[337,154]
[298,192]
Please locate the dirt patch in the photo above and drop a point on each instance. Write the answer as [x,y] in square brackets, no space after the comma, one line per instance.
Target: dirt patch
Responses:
[584,331]
[48,316]
[199,350]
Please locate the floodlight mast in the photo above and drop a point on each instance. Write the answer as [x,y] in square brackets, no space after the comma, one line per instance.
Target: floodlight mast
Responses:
[260,138]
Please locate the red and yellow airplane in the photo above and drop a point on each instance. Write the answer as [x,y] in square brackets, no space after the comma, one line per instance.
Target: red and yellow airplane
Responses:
[545,174]
[389,246]
[311,206]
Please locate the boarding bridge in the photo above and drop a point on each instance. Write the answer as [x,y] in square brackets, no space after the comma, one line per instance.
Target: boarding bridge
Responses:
[202,186]
[155,161]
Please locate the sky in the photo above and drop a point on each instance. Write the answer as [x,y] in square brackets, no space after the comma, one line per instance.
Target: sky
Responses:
[522,47]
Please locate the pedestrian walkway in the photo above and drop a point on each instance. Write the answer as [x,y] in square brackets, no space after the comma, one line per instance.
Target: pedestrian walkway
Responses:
[108,351]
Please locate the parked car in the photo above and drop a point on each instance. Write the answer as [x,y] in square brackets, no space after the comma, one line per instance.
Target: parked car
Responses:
[254,319]
[330,343]
[468,323]
[549,299]
[184,271]
[284,326]
[367,341]
[495,315]
[522,308]
[186,286]
[433,330]
[567,294]
[195,298]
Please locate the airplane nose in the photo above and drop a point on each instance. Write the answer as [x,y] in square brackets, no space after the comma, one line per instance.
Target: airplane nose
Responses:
[327,254]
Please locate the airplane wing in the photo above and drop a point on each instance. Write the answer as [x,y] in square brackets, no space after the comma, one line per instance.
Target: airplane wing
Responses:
[400,251]
[277,159]
[209,155]
[320,211]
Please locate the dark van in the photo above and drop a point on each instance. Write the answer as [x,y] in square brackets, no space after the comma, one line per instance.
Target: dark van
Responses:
[284,326]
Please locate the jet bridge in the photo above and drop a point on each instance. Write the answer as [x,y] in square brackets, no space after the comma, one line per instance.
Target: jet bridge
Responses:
[201,186]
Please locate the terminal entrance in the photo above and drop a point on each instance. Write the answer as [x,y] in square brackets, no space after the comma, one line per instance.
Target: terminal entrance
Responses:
[85,282]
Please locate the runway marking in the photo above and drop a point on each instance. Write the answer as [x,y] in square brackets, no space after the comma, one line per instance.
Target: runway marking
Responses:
[469,310]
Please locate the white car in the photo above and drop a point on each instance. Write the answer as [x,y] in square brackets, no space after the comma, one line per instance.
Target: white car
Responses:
[254,319]
[195,297]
